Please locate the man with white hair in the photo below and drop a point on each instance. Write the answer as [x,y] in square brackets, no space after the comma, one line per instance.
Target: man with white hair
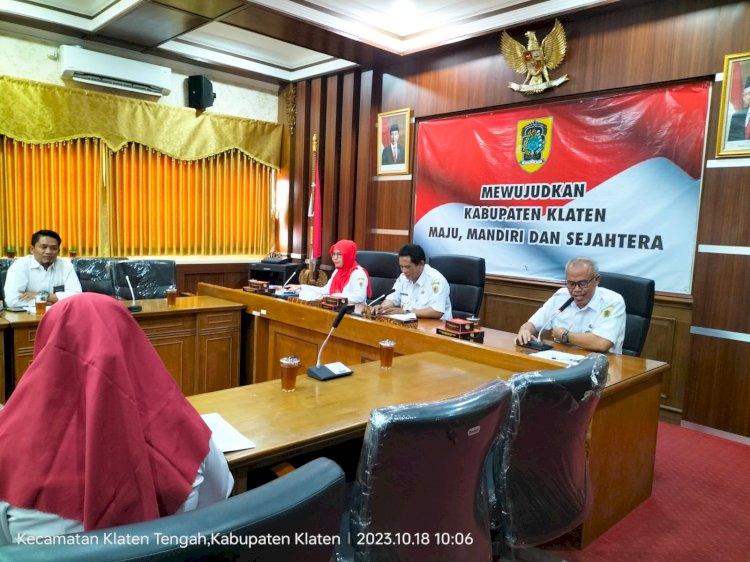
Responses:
[594,320]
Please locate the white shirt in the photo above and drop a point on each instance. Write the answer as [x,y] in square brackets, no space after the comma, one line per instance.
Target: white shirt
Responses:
[28,275]
[603,316]
[213,483]
[355,290]
[430,291]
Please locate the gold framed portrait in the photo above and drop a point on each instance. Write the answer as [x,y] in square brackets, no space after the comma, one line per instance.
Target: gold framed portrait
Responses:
[394,141]
[733,136]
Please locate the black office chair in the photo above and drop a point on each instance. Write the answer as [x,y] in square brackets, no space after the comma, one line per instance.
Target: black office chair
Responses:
[383,269]
[151,279]
[538,478]
[4,266]
[95,274]
[308,500]
[638,293]
[420,477]
[466,276]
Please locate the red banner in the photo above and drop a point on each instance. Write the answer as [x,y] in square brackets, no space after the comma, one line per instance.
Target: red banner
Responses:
[614,177]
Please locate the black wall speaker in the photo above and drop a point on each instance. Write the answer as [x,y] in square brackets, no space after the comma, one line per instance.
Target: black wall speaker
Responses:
[200,92]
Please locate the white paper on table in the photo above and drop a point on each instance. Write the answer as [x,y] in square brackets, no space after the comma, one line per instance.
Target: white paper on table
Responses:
[226,436]
[403,317]
[310,293]
[559,356]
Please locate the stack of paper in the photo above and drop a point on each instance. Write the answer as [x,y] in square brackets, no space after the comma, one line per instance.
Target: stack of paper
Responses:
[559,356]
[226,437]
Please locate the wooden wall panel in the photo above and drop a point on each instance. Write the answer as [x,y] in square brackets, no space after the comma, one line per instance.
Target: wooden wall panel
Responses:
[232,275]
[725,199]
[720,388]
[388,242]
[669,340]
[347,151]
[720,285]
[365,165]
[329,164]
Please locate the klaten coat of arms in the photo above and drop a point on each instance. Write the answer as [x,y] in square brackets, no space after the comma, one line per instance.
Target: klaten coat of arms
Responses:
[535,60]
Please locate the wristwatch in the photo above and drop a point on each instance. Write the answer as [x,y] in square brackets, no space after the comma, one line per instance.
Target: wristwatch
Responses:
[564,337]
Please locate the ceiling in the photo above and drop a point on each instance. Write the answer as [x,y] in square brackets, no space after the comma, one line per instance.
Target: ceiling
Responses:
[276,41]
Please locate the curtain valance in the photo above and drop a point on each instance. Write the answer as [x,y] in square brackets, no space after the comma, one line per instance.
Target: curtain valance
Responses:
[34,112]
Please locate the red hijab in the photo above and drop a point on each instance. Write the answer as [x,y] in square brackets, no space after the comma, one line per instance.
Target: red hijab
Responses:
[97,430]
[348,251]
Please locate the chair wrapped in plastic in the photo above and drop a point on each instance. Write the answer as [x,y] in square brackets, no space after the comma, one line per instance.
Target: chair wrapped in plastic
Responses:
[95,274]
[5,264]
[539,464]
[151,279]
[419,492]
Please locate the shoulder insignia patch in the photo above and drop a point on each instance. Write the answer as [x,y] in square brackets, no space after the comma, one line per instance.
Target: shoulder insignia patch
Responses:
[607,312]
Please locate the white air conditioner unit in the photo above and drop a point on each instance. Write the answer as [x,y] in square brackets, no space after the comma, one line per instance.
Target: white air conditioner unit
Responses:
[110,71]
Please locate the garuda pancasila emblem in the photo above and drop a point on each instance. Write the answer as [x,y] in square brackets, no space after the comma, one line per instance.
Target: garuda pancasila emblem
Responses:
[535,60]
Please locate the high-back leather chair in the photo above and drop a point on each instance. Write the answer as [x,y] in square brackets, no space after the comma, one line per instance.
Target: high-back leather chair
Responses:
[420,471]
[308,500]
[539,485]
[4,266]
[151,279]
[466,276]
[383,269]
[95,274]
[638,293]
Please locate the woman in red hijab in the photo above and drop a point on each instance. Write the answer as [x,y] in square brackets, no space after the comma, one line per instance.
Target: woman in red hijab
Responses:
[349,279]
[97,433]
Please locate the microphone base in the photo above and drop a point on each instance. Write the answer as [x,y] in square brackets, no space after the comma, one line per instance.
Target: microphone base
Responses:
[329,371]
[135,307]
[536,345]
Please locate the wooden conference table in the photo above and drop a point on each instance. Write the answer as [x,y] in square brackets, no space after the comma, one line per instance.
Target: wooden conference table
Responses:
[623,431]
[198,339]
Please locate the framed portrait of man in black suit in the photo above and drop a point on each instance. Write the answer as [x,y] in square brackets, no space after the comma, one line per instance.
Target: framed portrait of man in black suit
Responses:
[733,136]
[394,141]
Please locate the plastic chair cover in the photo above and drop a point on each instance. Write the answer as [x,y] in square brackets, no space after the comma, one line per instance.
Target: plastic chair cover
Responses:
[420,492]
[540,463]
[151,279]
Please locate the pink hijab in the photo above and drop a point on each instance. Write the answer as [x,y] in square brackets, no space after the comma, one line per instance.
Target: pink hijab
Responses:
[97,430]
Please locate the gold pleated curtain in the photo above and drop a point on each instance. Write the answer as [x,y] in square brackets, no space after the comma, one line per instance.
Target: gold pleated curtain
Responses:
[214,206]
[121,177]
[53,186]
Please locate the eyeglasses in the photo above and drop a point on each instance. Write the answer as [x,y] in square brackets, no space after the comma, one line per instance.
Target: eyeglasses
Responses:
[580,284]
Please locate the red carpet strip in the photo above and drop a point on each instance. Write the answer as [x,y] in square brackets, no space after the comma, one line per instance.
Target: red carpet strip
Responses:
[699,510]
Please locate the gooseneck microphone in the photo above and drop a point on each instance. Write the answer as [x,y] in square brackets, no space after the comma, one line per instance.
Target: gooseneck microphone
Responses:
[132,307]
[296,271]
[538,344]
[331,370]
[336,322]
[373,301]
